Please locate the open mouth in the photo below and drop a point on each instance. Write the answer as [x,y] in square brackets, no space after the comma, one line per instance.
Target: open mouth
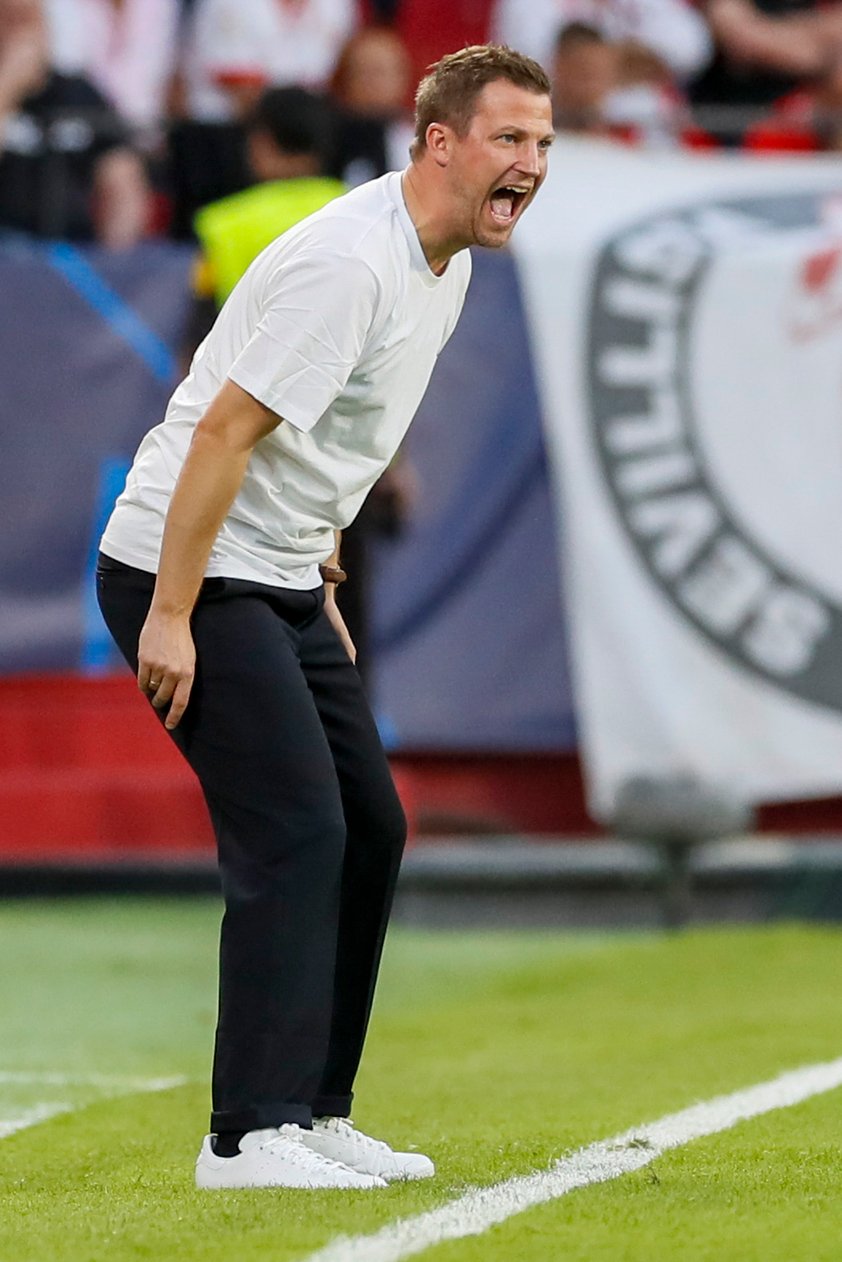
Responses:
[506,201]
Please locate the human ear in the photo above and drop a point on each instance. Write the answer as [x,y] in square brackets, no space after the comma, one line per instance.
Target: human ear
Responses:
[439,141]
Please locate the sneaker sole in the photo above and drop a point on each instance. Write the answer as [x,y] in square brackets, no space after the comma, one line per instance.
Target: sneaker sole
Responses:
[374,1184]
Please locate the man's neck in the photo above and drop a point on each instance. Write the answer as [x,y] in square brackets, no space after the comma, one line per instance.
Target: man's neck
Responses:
[437,242]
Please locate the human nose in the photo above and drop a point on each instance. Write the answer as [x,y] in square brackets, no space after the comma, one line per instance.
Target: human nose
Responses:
[529,159]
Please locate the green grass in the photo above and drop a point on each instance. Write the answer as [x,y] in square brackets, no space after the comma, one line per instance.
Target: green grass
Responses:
[496,1053]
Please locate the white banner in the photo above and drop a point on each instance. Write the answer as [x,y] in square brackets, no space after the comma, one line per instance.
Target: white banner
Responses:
[686,320]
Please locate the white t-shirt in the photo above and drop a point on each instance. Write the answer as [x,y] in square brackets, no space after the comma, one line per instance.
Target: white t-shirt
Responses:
[336,327]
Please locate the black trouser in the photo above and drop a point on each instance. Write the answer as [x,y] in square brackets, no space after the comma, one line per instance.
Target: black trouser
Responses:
[309,830]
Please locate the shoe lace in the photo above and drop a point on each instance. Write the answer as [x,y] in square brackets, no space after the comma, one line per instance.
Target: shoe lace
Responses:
[297,1153]
[358,1139]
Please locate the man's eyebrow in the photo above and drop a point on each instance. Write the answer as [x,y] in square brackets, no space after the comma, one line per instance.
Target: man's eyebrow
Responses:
[517,130]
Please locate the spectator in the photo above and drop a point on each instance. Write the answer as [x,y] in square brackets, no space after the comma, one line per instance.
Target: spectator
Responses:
[647,105]
[235,49]
[125,47]
[583,76]
[616,90]
[287,140]
[370,85]
[65,165]
[670,29]
[764,51]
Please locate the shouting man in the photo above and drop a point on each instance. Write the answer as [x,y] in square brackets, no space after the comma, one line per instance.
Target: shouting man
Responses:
[217,579]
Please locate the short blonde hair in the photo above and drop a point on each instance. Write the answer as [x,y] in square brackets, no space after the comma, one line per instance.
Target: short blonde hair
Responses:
[448,92]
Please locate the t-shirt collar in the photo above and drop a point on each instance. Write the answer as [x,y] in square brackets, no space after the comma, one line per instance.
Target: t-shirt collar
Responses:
[416,250]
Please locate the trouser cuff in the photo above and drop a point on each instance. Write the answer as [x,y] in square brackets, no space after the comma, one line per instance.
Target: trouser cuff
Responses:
[332,1105]
[264,1115]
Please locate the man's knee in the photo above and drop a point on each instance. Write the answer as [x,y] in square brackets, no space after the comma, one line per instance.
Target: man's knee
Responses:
[273,846]
[395,825]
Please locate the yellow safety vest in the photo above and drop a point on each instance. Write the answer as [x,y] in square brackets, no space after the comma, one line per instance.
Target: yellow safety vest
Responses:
[235,229]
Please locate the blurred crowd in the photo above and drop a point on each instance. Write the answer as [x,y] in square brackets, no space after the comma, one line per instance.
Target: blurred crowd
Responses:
[121,119]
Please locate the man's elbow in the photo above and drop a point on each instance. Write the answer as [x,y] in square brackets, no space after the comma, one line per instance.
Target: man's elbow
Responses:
[235,420]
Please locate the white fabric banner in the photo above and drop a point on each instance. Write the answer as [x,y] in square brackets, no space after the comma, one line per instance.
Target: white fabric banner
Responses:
[686,320]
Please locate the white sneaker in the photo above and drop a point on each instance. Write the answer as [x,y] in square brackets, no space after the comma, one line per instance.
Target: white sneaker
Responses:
[336,1138]
[276,1158]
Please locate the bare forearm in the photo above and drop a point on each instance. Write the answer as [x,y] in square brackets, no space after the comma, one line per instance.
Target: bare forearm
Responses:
[333,562]
[333,559]
[784,43]
[331,607]
[209,481]
[207,484]
[206,488]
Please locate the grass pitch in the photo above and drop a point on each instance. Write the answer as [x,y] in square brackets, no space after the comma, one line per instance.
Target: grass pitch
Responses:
[495,1053]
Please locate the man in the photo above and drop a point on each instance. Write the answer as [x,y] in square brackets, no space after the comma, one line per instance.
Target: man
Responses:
[294,405]
[584,74]
[613,89]
[288,137]
[66,168]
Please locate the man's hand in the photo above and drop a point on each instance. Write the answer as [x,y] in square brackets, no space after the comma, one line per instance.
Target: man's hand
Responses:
[209,480]
[338,622]
[167,663]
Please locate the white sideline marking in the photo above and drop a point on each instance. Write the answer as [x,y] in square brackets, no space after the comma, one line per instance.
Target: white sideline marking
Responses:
[40,1113]
[112,1084]
[476,1211]
[108,1081]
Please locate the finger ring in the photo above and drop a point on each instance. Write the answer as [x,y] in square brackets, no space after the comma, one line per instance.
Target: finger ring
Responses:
[154,683]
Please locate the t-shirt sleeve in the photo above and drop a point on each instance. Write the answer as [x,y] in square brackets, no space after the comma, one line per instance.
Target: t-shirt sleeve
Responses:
[321,310]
